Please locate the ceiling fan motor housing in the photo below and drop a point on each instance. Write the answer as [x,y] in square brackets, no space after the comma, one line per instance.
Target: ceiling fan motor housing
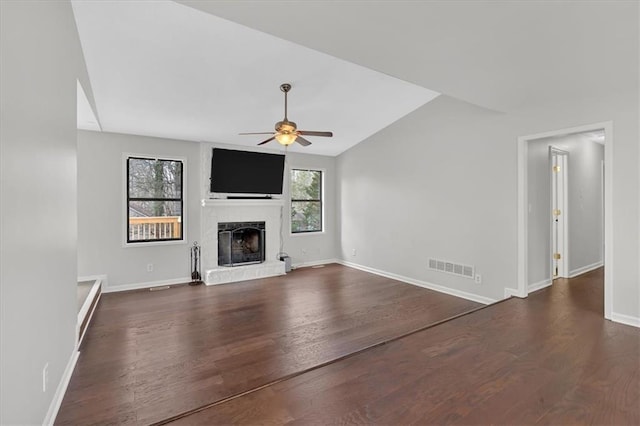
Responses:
[286,126]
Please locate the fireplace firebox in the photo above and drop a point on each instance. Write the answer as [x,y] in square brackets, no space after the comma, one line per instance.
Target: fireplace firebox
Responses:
[241,243]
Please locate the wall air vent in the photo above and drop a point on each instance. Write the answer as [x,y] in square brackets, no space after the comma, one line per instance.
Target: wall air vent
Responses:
[451,268]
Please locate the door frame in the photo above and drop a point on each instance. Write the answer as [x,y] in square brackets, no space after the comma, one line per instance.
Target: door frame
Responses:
[563,272]
[523,200]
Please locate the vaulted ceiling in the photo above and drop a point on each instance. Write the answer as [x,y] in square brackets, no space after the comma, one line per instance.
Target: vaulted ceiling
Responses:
[207,70]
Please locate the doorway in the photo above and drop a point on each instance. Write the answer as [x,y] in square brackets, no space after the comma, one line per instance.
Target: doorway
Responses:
[524,208]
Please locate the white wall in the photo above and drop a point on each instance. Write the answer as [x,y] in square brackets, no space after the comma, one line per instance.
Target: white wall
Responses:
[441,182]
[303,249]
[40,54]
[586,209]
[433,184]
[101,209]
[584,212]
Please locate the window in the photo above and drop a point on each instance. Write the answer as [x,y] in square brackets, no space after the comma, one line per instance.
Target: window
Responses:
[154,200]
[306,201]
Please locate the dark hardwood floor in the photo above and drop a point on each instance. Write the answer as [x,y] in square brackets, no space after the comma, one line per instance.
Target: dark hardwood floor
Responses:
[148,356]
[547,359]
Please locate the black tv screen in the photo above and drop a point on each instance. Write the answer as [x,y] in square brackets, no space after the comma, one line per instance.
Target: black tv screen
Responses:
[246,172]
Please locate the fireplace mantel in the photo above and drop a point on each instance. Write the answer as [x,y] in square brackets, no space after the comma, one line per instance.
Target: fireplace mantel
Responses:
[218,202]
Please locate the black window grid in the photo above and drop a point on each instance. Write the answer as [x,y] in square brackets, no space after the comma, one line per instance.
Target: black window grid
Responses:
[171,199]
[307,200]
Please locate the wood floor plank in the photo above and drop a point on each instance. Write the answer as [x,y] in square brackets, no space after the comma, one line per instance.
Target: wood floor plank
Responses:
[154,355]
[547,359]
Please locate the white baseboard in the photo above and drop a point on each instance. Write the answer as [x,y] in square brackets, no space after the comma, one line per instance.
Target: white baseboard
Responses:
[149,284]
[419,283]
[625,319]
[539,285]
[513,292]
[314,263]
[583,270]
[56,402]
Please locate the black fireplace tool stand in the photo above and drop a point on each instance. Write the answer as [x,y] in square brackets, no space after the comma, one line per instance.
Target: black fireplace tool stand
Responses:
[196,276]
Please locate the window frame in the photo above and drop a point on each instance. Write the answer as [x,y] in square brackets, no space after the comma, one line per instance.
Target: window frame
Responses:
[183,201]
[321,201]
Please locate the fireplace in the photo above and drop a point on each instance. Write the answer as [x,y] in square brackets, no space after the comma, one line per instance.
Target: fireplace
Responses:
[241,243]
[214,212]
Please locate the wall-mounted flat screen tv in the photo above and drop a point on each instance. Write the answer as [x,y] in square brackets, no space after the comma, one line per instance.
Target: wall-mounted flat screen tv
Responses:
[246,172]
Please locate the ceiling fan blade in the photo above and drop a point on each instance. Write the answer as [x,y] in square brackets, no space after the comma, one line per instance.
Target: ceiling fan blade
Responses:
[314,133]
[302,141]
[259,133]
[268,140]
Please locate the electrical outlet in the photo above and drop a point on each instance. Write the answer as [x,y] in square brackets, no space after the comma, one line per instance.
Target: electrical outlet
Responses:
[149,267]
[45,377]
[353,252]
[478,279]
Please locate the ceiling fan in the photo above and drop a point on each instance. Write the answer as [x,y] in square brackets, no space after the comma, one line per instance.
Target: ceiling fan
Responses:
[286,131]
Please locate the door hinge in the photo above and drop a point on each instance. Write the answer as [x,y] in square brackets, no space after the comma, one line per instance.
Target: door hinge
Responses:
[556,212]
[557,256]
[556,169]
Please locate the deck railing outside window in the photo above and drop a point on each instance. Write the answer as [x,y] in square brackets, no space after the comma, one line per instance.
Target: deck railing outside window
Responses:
[154,200]
[154,228]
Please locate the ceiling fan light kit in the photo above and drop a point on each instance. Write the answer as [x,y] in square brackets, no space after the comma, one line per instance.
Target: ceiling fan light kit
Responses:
[286,132]
[286,139]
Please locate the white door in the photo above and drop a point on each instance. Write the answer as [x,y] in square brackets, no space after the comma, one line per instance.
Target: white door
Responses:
[559,225]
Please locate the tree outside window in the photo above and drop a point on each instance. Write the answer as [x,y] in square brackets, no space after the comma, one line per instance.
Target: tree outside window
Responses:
[154,200]
[306,201]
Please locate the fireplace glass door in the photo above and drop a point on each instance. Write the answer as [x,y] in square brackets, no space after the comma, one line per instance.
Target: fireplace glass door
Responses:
[241,243]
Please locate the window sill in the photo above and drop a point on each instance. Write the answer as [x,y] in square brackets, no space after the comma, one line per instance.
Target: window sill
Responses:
[155,243]
[307,234]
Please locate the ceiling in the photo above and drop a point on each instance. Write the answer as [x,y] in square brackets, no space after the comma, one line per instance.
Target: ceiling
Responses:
[168,70]
[207,70]
[502,55]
